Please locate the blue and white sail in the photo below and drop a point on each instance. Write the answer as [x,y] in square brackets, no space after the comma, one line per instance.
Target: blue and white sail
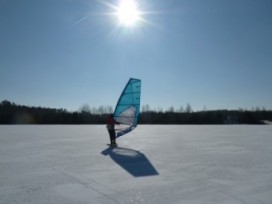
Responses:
[128,107]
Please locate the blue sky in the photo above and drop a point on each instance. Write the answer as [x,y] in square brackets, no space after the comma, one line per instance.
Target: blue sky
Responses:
[63,53]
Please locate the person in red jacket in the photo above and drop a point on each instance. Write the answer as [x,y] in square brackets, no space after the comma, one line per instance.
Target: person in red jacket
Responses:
[110,126]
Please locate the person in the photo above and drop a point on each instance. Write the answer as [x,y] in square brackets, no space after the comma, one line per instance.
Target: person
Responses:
[111,129]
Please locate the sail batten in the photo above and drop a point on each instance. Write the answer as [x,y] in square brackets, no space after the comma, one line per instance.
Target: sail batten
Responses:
[128,107]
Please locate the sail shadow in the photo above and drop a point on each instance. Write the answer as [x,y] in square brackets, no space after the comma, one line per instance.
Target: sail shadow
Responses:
[134,162]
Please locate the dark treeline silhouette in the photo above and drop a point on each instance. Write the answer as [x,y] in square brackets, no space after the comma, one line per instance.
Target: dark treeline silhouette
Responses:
[11,113]
[207,117]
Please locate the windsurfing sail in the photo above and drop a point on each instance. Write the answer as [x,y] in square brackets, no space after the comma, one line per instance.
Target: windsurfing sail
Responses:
[128,107]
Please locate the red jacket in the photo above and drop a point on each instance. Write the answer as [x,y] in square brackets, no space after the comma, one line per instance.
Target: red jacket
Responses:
[110,121]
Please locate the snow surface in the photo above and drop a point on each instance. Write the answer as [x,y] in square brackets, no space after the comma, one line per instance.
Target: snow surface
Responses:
[153,164]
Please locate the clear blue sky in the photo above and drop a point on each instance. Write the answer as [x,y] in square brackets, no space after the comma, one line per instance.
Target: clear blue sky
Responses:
[65,53]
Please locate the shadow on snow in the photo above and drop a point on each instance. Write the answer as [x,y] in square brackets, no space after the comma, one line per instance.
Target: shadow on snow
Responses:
[131,160]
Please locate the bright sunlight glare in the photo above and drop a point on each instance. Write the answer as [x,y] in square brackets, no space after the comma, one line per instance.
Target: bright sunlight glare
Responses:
[128,13]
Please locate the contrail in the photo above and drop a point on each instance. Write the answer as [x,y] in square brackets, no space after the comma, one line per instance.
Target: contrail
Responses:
[79,21]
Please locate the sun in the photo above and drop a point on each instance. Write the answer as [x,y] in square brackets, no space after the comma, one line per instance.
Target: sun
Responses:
[128,13]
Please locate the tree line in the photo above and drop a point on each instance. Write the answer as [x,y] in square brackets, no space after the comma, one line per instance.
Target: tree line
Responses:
[11,113]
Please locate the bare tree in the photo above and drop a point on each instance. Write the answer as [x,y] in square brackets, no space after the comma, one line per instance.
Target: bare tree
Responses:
[188,108]
[146,108]
[85,108]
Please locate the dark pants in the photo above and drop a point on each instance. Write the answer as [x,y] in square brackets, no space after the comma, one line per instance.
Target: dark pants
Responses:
[112,135]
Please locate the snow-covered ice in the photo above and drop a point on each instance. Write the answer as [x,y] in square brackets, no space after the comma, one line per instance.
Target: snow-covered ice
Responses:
[153,164]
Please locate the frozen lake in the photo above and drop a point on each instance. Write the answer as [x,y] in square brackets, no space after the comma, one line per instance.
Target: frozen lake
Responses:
[68,164]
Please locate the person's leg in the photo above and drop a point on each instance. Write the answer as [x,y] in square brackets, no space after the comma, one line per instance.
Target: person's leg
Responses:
[112,136]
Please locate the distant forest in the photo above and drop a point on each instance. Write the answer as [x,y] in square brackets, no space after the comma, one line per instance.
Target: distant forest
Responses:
[11,113]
